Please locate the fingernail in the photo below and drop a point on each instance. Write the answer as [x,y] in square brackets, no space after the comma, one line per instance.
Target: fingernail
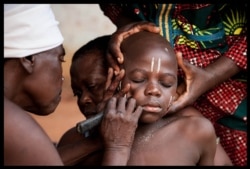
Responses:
[116,72]
[119,60]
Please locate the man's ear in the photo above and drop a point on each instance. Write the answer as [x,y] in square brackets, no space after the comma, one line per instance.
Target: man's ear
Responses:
[28,63]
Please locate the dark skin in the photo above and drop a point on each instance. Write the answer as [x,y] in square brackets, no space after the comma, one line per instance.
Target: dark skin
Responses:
[24,80]
[23,92]
[88,89]
[76,81]
[126,28]
[150,121]
[158,84]
[93,88]
[25,142]
[35,147]
[197,80]
[34,84]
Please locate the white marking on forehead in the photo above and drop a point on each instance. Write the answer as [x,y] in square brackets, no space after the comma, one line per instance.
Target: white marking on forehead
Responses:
[159,65]
[152,64]
[166,49]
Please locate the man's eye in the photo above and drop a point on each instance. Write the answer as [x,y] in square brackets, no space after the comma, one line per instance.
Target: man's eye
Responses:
[91,87]
[77,93]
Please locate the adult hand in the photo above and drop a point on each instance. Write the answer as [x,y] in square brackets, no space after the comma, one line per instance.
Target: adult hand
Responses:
[120,116]
[196,82]
[114,54]
[111,87]
[118,128]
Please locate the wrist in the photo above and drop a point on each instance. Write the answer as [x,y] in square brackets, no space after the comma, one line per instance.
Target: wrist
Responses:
[118,155]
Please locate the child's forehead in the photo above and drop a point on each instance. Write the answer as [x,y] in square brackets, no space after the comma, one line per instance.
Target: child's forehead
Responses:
[149,54]
[140,42]
[153,60]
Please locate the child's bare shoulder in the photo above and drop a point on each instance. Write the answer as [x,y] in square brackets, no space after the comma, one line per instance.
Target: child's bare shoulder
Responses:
[192,121]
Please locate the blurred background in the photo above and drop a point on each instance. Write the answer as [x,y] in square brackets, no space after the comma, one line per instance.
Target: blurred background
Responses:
[79,23]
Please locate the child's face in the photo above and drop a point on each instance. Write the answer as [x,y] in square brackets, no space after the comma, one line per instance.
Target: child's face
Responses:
[152,73]
[88,78]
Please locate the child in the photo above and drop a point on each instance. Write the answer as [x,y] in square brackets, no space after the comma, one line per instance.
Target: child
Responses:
[182,138]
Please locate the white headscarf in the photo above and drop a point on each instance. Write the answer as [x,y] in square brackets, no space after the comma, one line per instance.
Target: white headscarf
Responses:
[29,29]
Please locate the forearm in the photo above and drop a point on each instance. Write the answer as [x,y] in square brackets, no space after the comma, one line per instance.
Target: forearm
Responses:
[232,62]
[221,70]
[72,154]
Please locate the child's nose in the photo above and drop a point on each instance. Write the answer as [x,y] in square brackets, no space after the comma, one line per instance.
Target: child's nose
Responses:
[153,90]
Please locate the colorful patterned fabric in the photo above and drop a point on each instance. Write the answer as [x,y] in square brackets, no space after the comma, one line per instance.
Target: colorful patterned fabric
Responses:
[203,33]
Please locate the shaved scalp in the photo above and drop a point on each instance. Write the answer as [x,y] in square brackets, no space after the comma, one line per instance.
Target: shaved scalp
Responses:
[145,39]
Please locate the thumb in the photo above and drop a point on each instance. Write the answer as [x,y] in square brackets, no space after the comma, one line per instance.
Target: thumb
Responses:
[174,107]
[180,61]
[184,65]
[178,104]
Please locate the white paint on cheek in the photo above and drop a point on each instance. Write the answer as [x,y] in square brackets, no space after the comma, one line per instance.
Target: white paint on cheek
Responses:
[166,49]
[159,65]
[152,64]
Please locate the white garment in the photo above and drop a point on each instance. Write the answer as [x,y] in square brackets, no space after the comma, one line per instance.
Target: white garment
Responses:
[29,29]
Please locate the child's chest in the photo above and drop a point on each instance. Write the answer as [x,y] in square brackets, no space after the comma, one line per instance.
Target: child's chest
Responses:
[166,146]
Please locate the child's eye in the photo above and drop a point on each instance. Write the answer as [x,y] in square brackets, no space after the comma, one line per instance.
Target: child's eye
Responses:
[138,80]
[167,85]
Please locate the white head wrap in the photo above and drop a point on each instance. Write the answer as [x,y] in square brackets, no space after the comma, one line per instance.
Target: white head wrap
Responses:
[29,29]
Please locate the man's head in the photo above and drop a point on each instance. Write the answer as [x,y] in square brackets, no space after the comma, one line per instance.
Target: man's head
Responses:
[88,73]
[33,53]
[151,69]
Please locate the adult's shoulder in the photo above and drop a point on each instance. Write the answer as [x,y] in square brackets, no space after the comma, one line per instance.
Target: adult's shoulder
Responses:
[15,116]
[25,142]
[13,113]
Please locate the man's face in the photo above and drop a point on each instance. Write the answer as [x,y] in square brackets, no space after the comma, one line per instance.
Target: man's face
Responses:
[88,79]
[45,83]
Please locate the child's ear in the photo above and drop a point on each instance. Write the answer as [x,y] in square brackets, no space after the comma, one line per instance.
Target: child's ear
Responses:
[28,63]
